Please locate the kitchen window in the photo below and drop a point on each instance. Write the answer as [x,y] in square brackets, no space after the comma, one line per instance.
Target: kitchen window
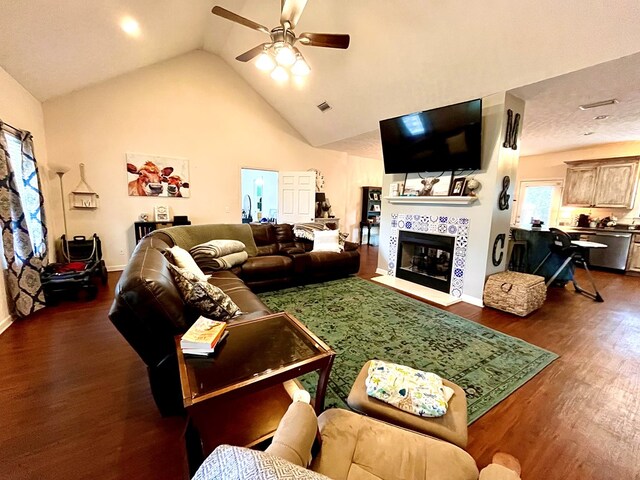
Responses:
[540,200]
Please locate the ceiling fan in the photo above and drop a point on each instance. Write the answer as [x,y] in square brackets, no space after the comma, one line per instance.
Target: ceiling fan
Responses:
[280,55]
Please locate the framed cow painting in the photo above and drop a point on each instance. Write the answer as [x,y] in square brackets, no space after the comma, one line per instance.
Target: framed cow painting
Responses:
[156,176]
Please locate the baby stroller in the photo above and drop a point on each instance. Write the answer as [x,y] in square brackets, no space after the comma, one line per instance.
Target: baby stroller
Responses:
[82,265]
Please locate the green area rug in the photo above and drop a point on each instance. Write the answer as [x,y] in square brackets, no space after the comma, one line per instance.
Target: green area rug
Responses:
[361,320]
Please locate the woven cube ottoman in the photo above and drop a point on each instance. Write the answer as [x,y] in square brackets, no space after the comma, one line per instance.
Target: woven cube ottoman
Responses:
[515,292]
[451,427]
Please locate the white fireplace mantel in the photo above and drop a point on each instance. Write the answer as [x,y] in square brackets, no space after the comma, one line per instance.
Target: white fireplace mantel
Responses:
[434,200]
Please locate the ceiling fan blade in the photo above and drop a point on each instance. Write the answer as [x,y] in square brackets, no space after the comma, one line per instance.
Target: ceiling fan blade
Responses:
[224,13]
[254,52]
[291,12]
[331,40]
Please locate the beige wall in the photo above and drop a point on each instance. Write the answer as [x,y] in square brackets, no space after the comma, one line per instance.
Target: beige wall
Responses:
[20,109]
[551,165]
[192,106]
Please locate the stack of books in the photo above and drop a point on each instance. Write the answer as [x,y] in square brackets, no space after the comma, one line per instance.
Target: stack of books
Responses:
[203,336]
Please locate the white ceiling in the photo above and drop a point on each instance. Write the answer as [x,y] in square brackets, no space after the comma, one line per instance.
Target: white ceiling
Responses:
[553,121]
[404,56]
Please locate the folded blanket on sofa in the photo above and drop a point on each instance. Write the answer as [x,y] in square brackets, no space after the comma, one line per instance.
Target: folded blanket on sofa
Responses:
[224,263]
[307,231]
[414,391]
[217,248]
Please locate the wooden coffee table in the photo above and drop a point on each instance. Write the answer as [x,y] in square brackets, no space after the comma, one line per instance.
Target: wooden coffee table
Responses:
[239,395]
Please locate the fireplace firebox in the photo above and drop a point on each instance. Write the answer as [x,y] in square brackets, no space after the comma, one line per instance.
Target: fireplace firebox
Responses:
[426,259]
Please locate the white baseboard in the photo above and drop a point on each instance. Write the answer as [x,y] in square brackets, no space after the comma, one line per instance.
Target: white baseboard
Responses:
[472,300]
[115,268]
[5,323]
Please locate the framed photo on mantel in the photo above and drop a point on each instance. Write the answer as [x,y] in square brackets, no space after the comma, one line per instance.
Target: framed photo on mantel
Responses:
[457,187]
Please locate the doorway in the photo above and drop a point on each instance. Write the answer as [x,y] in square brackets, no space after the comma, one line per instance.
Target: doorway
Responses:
[259,195]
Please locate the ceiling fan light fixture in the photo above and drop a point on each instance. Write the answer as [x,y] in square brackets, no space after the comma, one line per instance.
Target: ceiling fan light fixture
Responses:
[280,74]
[300,68]
[265,62]
[285,56]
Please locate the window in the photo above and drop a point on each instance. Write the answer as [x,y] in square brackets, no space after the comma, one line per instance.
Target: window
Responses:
[540,200]
[29,195]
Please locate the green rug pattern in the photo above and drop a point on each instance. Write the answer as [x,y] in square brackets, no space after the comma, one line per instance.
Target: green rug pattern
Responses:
[361,320]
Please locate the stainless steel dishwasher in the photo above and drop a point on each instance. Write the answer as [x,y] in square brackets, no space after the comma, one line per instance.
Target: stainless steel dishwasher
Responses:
[615,255]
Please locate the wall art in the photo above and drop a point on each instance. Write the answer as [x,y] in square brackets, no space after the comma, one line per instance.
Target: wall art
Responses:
[156,176]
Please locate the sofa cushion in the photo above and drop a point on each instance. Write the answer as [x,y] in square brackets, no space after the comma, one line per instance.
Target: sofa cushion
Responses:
[265,267]
[359,447]
[247,301]
[207,299]
[264,234]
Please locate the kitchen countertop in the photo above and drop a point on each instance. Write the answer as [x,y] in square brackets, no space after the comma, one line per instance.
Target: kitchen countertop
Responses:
[568,229]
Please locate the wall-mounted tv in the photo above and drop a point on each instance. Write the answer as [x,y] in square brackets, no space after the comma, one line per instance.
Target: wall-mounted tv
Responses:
[443,139]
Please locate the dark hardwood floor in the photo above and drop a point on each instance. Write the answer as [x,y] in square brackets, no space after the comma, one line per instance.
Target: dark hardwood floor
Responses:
[75,401]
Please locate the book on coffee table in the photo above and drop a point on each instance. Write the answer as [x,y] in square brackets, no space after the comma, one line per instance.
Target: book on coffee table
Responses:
[202,336]
[203,352]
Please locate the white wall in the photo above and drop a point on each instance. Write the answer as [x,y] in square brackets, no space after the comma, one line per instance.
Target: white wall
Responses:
[192,106]
[20,109]
[552,166]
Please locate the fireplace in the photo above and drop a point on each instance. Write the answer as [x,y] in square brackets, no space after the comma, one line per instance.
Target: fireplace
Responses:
[426,259]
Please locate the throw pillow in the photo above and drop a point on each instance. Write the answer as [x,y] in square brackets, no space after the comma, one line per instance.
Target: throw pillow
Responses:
[238,463]
[326,241]
[183,260]
[208,300]
[413,391]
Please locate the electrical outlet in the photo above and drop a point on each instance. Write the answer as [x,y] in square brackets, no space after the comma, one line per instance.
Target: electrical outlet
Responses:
[121,251]
[227,209]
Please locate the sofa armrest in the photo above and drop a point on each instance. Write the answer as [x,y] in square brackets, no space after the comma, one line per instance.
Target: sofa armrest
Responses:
[295,434]
[498,472]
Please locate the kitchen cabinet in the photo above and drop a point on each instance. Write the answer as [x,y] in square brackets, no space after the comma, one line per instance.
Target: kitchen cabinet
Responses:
[634,255]
[601,183]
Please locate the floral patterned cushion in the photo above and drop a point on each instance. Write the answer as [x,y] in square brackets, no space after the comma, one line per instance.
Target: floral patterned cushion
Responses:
[208,300]
[237,463]
[413,391]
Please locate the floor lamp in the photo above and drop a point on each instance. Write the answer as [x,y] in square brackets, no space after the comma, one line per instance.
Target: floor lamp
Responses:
[60,171]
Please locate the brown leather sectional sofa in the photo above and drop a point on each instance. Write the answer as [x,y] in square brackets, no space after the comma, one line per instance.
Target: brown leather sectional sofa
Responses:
[149,312]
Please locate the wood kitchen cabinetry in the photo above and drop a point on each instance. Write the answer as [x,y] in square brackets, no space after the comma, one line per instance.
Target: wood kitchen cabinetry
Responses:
[634,255]
[601,183]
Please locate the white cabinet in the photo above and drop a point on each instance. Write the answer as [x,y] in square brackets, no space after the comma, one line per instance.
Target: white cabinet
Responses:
[601,183]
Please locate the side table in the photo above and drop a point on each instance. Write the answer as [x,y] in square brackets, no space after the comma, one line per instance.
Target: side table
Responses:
[239,395]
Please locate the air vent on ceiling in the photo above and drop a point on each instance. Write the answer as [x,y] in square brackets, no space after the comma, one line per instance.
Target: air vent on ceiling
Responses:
[324,106]
[603,103]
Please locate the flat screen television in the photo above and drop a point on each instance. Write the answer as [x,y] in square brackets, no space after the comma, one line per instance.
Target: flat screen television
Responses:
[443,139]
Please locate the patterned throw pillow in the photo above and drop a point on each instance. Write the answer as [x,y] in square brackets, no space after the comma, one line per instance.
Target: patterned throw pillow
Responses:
[208,300]
[413,391]
[238,463]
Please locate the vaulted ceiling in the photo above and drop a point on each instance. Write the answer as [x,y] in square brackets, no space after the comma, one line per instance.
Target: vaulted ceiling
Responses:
[404,56]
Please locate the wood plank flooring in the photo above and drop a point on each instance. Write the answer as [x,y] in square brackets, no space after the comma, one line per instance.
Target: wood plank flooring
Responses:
[75,401]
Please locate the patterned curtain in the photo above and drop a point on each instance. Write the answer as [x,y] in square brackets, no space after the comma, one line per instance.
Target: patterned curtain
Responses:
[24,234]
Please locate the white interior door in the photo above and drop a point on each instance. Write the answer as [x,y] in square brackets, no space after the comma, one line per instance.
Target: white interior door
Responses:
[297,195]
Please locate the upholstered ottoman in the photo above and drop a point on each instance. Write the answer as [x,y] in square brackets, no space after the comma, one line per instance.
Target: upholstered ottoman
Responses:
[451,427]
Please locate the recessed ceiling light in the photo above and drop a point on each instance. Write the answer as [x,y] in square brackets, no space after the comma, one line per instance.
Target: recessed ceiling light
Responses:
[586,106]
[601,117]
[130,26]
[588,133]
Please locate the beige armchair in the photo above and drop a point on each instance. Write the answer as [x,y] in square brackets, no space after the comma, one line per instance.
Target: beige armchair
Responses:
[354,447]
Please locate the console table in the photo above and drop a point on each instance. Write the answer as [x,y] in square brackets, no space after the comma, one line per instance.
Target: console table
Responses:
[144,228]
[328,220]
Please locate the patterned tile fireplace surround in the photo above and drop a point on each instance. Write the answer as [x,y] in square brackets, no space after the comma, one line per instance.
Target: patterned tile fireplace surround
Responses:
[457,227]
